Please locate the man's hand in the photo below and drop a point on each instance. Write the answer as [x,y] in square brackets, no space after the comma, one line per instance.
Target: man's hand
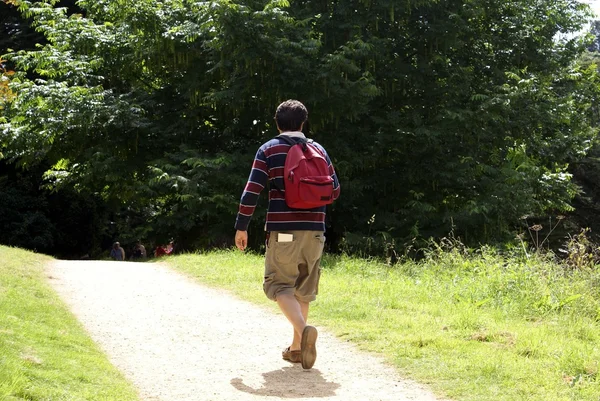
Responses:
[241,239]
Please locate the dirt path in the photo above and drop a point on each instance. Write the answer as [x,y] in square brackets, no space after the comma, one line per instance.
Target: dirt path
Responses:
[177,340]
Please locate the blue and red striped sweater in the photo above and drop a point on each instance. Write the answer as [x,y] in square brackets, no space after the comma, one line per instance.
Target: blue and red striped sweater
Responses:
[267,168]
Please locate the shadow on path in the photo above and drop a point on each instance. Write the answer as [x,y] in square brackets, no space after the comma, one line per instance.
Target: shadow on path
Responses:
[290,382]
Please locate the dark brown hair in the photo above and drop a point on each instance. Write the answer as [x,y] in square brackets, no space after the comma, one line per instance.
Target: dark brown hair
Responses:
[290,115]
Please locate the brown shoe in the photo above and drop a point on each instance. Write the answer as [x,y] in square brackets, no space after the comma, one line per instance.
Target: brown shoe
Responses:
[308,348]
[292,356]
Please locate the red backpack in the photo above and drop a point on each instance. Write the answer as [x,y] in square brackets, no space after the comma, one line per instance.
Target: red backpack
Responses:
[308,183]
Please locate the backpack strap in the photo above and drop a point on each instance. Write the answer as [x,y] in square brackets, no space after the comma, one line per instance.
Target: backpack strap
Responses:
[294,140]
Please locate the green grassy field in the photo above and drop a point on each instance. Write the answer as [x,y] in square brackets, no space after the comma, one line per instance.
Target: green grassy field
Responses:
[45,354]
[474,327]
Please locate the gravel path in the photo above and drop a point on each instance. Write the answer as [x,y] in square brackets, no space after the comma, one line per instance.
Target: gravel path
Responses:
[177,340]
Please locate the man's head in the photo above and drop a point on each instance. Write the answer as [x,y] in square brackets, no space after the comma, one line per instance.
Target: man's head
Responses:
[290,116]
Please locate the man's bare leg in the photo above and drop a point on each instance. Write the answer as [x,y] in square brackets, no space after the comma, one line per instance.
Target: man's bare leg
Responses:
[297,313]
[297,338]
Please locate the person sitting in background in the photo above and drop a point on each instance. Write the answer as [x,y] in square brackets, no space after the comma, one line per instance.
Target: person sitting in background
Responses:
[117,253]
[160,251]
[139,251]
[164,250]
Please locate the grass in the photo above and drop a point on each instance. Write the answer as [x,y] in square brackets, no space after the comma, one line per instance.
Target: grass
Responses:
[45,354]
[475,327]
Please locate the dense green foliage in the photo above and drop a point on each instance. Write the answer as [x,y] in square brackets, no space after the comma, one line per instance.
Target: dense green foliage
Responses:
[48,222]
[437,115]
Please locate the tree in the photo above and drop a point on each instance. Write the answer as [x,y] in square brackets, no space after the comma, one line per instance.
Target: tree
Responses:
[438,115]
[594,45]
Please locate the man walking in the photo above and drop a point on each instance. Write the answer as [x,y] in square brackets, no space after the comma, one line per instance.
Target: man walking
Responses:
[295,237]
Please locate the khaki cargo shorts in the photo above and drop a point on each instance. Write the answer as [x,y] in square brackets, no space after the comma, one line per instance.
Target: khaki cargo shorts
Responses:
[294,267]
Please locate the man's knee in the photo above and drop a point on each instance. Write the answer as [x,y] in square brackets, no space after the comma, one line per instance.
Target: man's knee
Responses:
[272,289]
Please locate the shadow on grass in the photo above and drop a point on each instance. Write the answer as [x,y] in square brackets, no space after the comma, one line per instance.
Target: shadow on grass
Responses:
[290,382]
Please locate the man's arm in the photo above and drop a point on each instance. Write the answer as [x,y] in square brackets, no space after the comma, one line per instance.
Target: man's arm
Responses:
[336,183]
[257,181]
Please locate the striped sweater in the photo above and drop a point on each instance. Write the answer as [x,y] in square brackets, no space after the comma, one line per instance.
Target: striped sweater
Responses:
[267,168]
